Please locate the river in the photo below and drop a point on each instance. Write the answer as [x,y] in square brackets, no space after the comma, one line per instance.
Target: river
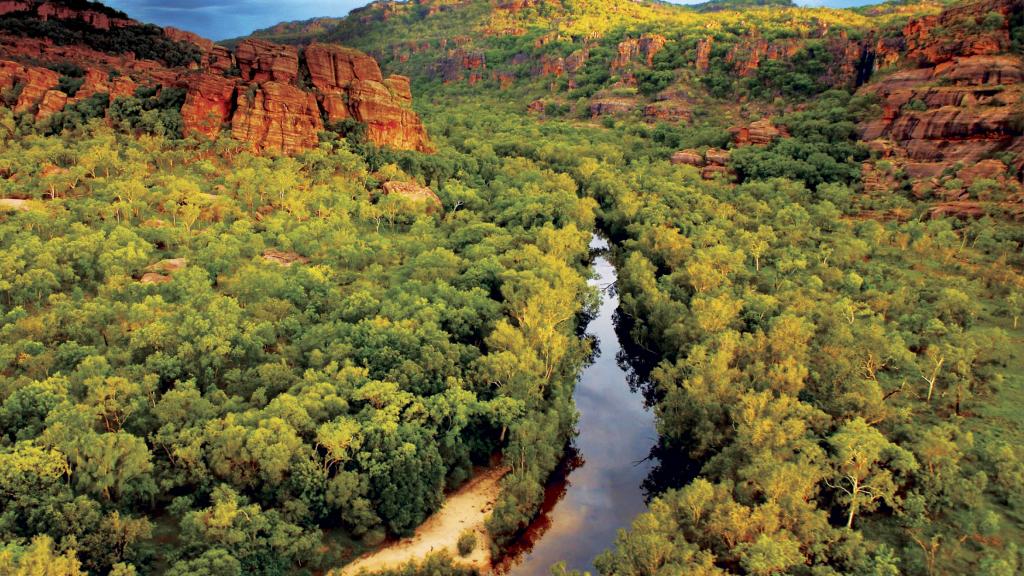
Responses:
[599,489]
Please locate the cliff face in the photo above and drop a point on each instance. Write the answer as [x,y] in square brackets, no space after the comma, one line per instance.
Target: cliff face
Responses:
[957,105]
[260,93]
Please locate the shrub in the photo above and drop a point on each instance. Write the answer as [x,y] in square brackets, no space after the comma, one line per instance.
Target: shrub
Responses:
[467,543]
[915,105]
[69,84]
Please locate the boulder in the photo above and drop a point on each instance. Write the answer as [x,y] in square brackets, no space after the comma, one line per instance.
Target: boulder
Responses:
[712,171]
[759,133]
[15,205]
[717,156]
[689,157]
[285,259]
[53,101]
[415,192]
[154,278]
[168,266]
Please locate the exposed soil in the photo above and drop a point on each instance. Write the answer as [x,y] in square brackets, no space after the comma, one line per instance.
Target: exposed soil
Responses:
[465,509]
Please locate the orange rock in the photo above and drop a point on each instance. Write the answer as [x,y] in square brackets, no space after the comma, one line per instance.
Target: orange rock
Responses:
[34,82]
[759,133]
[53,101]
[712,171]
[64,11]
[99,82]
[389,121]
[990,169]
[717,156]
[285,259]
[208,103]
[646,47]
[333,67]
[259,61]
[963,209]
[276,116]
[689,157]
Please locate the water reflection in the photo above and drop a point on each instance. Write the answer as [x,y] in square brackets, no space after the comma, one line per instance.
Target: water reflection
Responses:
[600,486]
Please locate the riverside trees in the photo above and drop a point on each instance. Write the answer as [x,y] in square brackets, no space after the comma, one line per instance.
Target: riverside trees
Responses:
[163,365]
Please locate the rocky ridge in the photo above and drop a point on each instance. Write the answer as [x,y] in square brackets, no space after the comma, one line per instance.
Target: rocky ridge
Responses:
[272,96]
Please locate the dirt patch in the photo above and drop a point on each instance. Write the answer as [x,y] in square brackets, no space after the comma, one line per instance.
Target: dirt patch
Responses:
[465,509]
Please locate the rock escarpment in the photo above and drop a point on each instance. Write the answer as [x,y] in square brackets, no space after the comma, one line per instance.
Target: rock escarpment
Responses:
[953,115]
[272,96]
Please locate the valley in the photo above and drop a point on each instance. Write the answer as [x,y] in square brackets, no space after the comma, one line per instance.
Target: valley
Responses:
[529,287]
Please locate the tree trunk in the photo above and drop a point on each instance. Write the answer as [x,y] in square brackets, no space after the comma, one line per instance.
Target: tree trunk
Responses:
[853,504]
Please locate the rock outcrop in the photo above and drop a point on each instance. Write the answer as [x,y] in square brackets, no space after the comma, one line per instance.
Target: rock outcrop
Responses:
[961,109]
[759,133]
[644,48]
[415,192]
[351,86]
[703,62]
[30,83]
[209,103]
[94,17]
[256,93]
[259,61]
[276,116]
[713,163]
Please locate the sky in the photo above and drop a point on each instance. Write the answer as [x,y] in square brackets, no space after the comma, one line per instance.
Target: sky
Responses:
[222,19]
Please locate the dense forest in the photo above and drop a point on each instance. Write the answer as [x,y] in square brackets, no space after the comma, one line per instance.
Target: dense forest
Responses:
[220,362]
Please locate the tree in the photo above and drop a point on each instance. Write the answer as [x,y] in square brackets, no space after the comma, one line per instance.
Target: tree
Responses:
[1015,305]
[866,467]
[38,559]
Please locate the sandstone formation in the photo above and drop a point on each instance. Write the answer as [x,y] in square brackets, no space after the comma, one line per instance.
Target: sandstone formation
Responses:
[276,116]
[259,61]
[99,82]
[285,259]
[759,133]
[32,83]
[713,163]
[644,48]
[209,103]
[255,93]
[703,62]
[61,11]
[958,110]
[415,192]
[689,157]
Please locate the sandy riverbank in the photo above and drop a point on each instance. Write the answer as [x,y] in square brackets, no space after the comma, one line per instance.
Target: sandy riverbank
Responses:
[468,508]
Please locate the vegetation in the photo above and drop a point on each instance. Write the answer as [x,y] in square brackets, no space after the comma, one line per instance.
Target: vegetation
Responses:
[258,407]
[145,41]
[213,362]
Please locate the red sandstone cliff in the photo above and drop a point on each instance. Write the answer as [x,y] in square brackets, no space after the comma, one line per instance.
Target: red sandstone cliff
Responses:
[257,92]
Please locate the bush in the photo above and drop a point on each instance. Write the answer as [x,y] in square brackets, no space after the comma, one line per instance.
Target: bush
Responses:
[915,105]
[69,84]
[467,543]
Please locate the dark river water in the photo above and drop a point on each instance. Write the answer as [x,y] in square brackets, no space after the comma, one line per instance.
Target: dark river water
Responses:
[599,488]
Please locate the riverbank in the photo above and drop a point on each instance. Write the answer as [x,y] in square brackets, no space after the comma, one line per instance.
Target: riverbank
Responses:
[468,508]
